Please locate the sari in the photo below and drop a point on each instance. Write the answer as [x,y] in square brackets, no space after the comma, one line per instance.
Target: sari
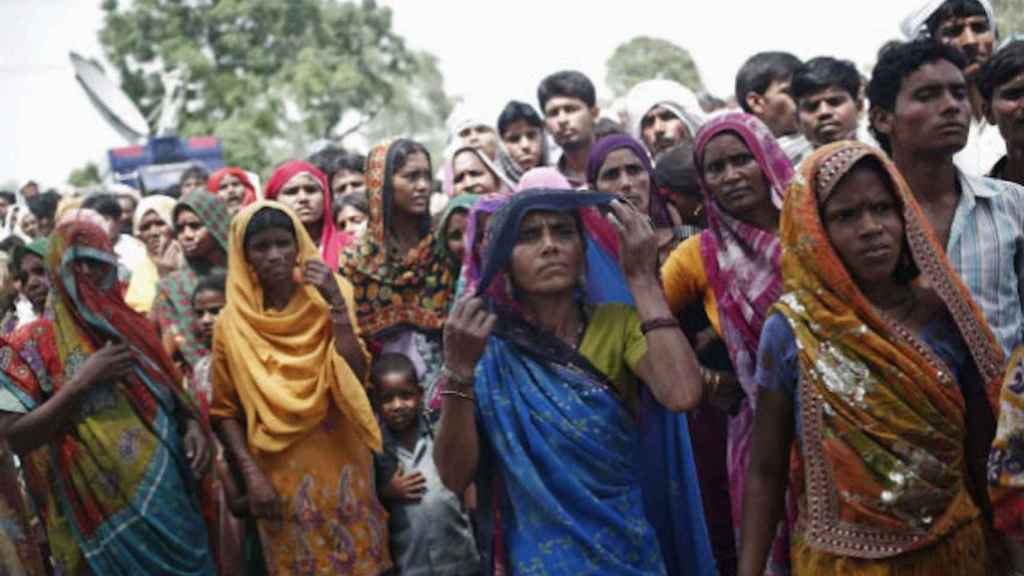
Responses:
[657,208]
[742,266]
[463,203]
[309,425]
[114,490]
[213,183]
[332,241]
[881,470]
[173,306]
[505,184]
[142,285]
[544,407]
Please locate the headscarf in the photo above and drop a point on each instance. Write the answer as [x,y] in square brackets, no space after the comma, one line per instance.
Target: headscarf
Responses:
[213,184]
[211,210]
[412,290]
[472,258]
[741,261]
[504,183]
[915,24]
[656,207]
[463,203]
[883,420]
[162,205]
[282,363]
[668,93]
[331,240]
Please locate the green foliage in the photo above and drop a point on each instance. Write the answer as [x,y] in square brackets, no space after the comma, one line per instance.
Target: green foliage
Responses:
[269,76]
[644,58]
[1009,16]
[87,175]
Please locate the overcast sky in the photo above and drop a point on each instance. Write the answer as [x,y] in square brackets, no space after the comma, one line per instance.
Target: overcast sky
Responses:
[487,49]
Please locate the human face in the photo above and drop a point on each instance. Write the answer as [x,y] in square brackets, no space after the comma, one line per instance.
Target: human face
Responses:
[232,192]
[304,195]
[352,220]
[1007,110]
[548,256]
[29,225]
[863,222]
[346,182]
[932,113]
[524,143]
[400,398]
[95,272]
[34,283]
[127,209]
[272,253]
[154,232]
[973,35]
[471,176]
[829,115]
[456,234]
[734,179]
[623,174]
[411,186]
[206,305]
[191,184]
[570,122]
[195,239]
[482,138]
[662,129]
[776,108]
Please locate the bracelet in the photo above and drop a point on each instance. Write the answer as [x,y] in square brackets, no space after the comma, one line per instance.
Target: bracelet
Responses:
[451,377]
[465,395]
[658,324]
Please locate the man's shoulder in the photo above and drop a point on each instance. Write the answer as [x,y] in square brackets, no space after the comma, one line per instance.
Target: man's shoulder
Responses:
[987,187]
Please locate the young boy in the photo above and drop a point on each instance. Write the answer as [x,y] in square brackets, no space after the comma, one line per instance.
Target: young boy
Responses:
[430,531]
[828,100]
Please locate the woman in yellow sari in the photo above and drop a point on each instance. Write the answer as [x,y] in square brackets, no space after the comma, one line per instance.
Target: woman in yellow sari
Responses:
[880,363]
[288,401]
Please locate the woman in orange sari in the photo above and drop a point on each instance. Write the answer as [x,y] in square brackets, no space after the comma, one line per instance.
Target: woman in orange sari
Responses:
[880,366]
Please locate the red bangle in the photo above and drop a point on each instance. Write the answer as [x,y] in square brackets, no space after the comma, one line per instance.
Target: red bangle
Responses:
[658,324]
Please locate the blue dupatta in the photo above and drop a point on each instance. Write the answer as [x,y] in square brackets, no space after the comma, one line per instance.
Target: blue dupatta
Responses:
[589,488]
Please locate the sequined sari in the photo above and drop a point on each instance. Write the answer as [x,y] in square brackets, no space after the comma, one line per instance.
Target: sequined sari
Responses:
[882,467]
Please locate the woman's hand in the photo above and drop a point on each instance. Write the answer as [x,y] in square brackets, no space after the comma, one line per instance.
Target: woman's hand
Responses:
[466,332]
[638,245]
[197,448]
[263,499]
[170,258]
[109,363]
[317,273]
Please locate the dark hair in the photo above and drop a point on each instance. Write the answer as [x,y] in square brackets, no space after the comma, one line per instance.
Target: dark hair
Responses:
[605,127]
[10,243]
[760,70]
[954,9]
[332,160]
[215,281]
[516,111]
[403,149]
[18,255]
[897,61]
[9,196]
[106,204]
[675,170]
[194,171]
[392,363]
[1002,67]
[357,200]
[567,83]
[265,219]
[44,204]
[823,72]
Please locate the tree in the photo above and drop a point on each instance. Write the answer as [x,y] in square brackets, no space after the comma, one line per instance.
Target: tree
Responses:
[87,175]
[644,58]
[1009,16]
[262,71]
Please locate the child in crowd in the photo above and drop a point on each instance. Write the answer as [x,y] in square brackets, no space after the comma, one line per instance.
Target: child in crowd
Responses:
[430,530]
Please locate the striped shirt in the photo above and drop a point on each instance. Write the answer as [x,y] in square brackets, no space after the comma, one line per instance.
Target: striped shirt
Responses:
[986,242]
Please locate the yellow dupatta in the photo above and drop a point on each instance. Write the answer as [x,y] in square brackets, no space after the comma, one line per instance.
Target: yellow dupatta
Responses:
[282,363]
[883,421]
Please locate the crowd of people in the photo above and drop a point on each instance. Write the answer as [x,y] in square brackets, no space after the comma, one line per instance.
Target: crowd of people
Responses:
[782,336]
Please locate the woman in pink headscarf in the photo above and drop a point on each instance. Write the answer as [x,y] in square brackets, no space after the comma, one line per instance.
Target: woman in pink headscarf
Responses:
[233,186]
[303,187]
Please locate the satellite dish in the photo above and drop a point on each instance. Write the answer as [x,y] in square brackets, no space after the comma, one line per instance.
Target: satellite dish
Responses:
[119,111]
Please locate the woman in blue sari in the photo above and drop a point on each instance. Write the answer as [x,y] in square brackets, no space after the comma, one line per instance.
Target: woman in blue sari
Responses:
[540,388]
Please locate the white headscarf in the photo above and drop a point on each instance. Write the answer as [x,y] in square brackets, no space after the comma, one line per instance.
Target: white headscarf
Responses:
[914,25]
[668,93]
